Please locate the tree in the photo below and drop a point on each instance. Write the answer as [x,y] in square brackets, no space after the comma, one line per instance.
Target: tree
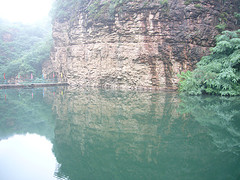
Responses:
[218,73]
[23,48]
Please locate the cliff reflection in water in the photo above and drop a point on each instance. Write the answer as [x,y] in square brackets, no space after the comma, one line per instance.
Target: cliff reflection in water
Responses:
[104,134]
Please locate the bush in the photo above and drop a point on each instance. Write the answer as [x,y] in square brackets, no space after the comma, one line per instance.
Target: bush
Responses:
[63,10]
[218,73]
[221,27]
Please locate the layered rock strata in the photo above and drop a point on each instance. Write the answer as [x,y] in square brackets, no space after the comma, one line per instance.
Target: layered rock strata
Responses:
[142,45]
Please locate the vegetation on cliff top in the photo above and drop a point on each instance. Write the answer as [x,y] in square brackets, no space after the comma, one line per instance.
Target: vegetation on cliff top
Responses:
[218,73]
[64,10]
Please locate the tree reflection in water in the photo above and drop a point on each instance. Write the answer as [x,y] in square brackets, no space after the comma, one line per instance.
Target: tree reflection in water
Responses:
[219,115]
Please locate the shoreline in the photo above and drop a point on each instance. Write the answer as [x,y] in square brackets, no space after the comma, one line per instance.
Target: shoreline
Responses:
[32,85]
[36,85]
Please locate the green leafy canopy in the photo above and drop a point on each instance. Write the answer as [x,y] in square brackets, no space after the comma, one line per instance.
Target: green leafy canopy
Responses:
[23,48]
[218,73]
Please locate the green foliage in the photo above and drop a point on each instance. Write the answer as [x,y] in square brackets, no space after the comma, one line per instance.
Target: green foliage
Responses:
[106,10]
[218,73]
[198,6]
[23,49]
[164,2]
[187,2]
[237,16]
[95,10]
[165,6]
[63,10]
[221,27]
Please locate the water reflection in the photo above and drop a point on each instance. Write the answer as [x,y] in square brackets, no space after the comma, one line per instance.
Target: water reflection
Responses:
[219,115]
[132,135]
[104,134]
[27,157]
[21,114]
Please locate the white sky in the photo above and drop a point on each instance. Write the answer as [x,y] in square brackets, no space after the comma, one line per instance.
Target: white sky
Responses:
[25,11]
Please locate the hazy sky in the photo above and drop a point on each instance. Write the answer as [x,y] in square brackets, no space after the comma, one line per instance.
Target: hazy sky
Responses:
[26,11]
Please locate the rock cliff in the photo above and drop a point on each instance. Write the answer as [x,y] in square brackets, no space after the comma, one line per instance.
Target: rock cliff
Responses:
[135,44]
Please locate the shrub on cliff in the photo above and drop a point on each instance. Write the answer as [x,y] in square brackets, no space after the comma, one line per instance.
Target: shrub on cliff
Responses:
[218,73]
[63,10]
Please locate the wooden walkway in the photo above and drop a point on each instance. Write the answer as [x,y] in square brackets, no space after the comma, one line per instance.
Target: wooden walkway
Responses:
[33,85]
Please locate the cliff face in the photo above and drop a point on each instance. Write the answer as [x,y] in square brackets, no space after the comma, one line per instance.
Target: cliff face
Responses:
[142,45]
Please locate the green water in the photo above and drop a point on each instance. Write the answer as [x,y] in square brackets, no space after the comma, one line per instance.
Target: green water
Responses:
[77,134]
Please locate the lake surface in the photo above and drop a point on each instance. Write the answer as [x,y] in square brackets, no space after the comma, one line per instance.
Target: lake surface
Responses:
[74,134]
